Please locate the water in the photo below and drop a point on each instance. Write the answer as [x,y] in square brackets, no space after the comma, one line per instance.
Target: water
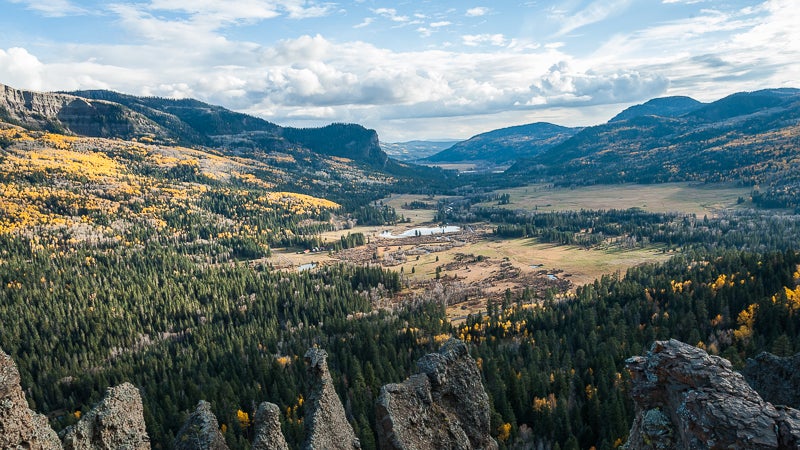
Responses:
[551,276]
[307,266]
[422,231]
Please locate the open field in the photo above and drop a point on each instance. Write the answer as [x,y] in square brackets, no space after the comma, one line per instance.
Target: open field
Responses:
[690,198]
[473,265]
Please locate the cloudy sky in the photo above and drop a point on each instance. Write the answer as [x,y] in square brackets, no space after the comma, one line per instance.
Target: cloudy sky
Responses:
[411,69]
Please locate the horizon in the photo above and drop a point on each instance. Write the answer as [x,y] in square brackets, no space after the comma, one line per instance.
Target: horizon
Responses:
[443,71]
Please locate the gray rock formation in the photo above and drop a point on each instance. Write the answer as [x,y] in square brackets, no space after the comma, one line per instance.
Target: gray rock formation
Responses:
[776,379]
[686,399]
[327,427]
[69,114]
[200,431]
[116,423]
[267,424]
[443,406]
[20,428]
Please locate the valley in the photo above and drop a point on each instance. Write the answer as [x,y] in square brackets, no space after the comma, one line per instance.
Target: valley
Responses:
[200,253]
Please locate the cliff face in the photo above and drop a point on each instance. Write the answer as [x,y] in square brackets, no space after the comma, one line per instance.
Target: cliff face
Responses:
[443,406]
[326,423]
[268,434]
[19,426]
[69,114]
[117,422]
[200,431]
[687,399]
[776,379]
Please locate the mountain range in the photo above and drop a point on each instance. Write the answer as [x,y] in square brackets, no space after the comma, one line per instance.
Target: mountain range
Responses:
[507,144]
[749,138]
[184,122]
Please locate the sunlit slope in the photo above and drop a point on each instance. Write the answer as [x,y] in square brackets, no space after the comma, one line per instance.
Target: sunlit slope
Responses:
[113,191]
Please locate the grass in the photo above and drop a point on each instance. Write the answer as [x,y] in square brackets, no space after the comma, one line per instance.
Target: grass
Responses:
[690,198]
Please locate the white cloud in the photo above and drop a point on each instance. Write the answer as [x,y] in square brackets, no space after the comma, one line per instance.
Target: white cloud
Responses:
[477,12]
[52,8]
[443,23]
[473,40]
[563,85]
[367,22]
[500,78]
[391,14]
[595,12]
[20,69]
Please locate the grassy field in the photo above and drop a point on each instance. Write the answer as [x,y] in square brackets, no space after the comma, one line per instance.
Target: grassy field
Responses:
[579,265]
[691,198]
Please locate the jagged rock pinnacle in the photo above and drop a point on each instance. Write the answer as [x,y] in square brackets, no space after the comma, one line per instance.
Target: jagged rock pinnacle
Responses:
[687,399]
[116,423]
[443,406]
[20,428]
[327,427]
[776,379]
[201,431]
[268,435]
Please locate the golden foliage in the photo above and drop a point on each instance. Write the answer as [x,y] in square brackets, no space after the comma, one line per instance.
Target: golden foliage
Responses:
[746,320]
[504,432]
[244,419]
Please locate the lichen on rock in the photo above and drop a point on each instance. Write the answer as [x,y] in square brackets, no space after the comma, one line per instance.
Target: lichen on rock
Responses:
[443,406]
[116,423]
[327,427]
[267,424]
[687,399]
[19,426]
[200,431]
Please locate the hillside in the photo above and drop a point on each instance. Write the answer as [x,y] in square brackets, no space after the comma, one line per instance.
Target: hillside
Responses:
[749,138]
[507,144]
[664,107]
[185,122]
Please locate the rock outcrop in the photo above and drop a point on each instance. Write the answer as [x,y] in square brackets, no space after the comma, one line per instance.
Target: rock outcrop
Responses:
[116,423]
[267,424]
[20,428]
[776,379]
[687,399]
[200,431]
[443,406]
[327,427]
[70,114]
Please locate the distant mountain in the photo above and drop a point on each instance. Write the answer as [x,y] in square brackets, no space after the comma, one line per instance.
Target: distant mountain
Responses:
[750,138]
[194,122]
[663,107]
[507,144]
[414,150]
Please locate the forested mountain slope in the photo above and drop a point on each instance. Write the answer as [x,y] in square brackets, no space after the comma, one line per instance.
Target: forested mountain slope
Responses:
[749,138]
[506,144]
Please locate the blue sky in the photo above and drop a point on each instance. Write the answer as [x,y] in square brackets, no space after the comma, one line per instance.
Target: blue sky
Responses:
[410,69]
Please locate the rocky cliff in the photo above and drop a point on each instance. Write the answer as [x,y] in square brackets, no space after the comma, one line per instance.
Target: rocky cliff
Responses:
[20,428]
[117,422]
[443,406]
[99,113]
[200,431]
[326,424]
[687,399]
[70,114]
[268,434]
[776,379]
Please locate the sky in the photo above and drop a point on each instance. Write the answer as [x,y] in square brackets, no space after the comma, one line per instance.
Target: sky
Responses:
[422,69]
